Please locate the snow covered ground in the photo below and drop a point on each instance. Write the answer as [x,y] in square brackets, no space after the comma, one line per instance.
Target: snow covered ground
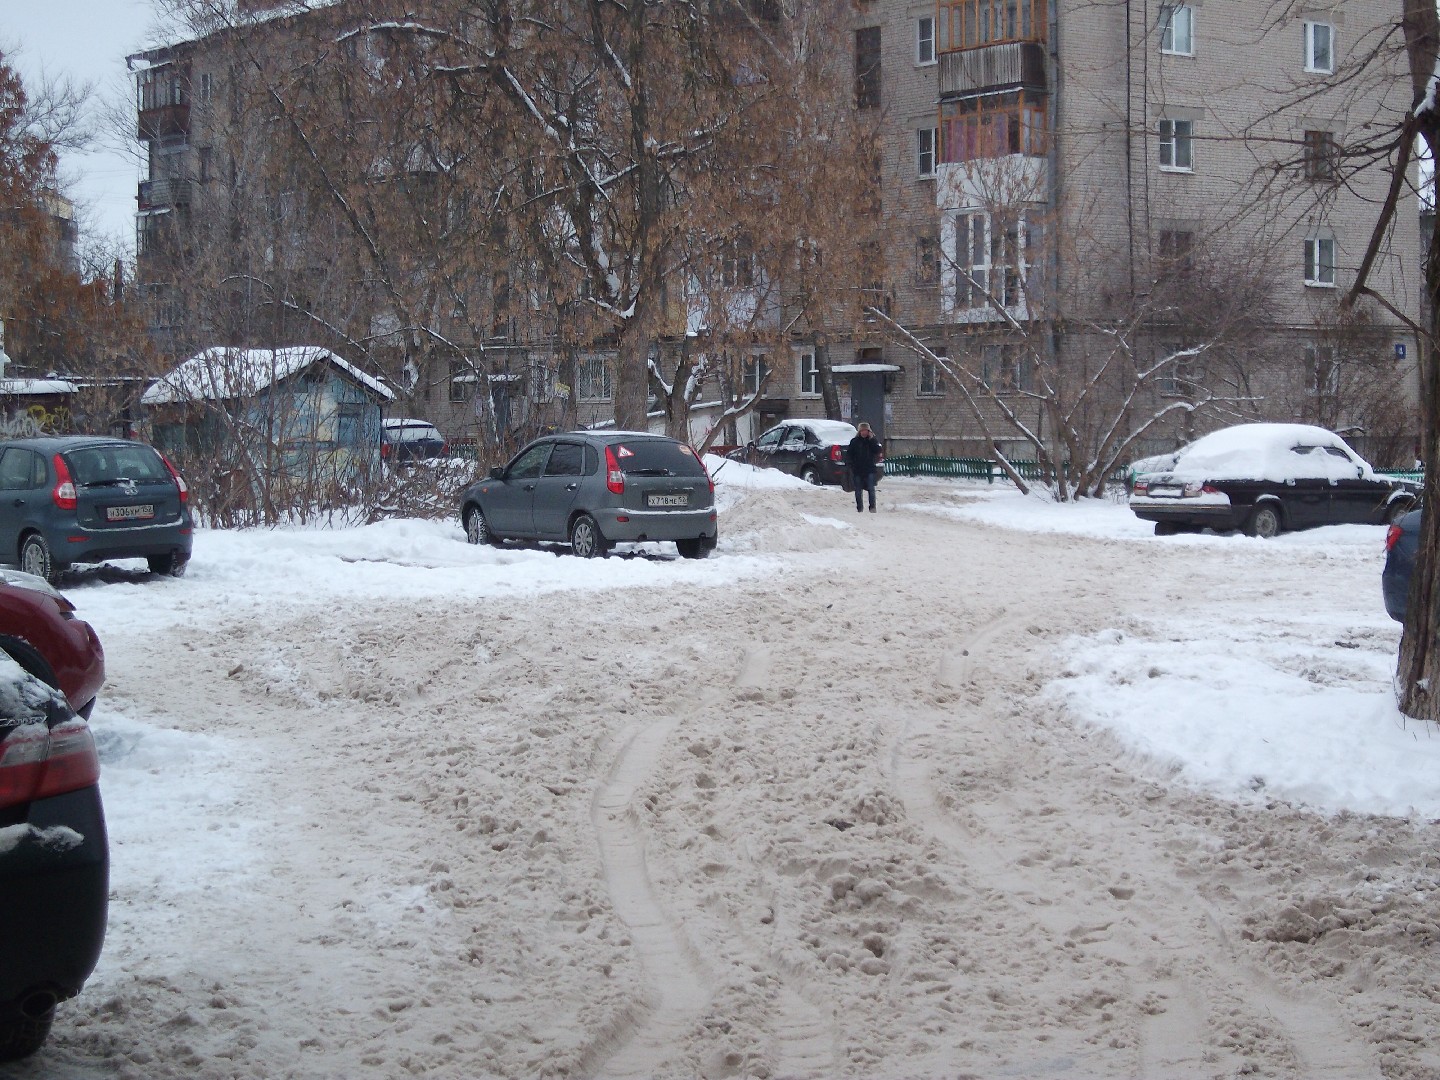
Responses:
[979,785]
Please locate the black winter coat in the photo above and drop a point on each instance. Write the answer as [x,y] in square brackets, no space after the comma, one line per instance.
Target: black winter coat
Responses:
[863,453]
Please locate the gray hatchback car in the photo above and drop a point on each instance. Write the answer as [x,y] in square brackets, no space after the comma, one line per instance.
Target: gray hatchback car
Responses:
[595,489]
[84,499]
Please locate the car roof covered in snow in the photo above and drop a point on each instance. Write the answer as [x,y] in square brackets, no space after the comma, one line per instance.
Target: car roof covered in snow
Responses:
[1276,452]
[828,431]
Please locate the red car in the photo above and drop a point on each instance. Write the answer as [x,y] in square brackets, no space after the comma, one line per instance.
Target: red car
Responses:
[38,628]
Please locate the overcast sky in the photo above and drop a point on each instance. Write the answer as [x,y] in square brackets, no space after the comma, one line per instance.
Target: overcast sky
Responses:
[87,40]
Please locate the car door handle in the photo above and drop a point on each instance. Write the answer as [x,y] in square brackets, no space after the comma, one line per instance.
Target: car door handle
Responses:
[529,487]
[572,487]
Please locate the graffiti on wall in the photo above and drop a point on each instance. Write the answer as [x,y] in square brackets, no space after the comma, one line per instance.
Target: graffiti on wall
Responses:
[35,420]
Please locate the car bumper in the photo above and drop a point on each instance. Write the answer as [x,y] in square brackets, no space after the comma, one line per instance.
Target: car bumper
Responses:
[1205,512]
[638,526]
[80,544]
[54,901]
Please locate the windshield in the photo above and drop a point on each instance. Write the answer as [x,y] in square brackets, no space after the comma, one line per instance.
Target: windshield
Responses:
[106,464]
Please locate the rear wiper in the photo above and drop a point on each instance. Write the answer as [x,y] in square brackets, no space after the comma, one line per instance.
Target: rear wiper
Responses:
[648,472]
[116,482]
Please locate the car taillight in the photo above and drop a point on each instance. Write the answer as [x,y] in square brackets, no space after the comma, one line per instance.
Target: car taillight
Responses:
[179,480]
[36,763]
[614,475]
[384,451]
[695,454]
[837,453]
[1392,536]
[64,490]
[1140,488]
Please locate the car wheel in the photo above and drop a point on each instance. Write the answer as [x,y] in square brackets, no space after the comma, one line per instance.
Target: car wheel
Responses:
[1264,522]
[35,558]
[477,529]
[22,1036]
[810,475]
[696,548]
[586,539]
[171,565]
[1166,528]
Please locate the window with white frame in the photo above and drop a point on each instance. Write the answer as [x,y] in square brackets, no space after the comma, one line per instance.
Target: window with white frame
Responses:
[1177,145]
[594,379]
[1319,47]
[1177,29]
[754,374]
[990,260]
[1320,261]
[1007,369]
[925,151]
[927,259]
[462,378]
[925,40]
[932,376]
[809,373]
[1183,376]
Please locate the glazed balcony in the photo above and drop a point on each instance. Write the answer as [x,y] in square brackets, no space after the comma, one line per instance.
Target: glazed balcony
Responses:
[988,69]
[156,194]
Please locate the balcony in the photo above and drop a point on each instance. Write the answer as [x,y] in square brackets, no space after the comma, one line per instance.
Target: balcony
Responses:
[158,194]
[1012,65]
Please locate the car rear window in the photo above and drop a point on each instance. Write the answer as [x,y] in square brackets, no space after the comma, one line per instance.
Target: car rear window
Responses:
[98,464]
[662,457]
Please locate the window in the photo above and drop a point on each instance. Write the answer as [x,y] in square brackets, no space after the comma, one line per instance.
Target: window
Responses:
[737,264]
[932,378]
[594,379]
[755,374]
[967,24]
[1175,252]
[925,40]
[1177,29]
[992,126]
[461,377]
[567,459]
[1319,47]
[927,259]
[809,373]
[1321,154]
[990,261]
[1177,138]
[867,68]
[1183,376]
[1006,369]
[1320,261]
[207,87]
[1322,372]
[925,152]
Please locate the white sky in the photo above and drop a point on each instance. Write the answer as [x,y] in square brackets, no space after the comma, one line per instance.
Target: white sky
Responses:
[87,40]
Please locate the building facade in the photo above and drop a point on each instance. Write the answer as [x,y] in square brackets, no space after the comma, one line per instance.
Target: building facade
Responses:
[1067,190]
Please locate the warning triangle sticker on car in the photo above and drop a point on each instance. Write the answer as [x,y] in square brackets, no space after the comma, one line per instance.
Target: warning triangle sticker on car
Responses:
[626,453]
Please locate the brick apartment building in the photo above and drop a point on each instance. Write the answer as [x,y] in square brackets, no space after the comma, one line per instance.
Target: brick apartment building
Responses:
[1054,175]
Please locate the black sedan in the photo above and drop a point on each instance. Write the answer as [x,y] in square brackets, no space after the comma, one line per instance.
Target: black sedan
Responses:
[54,857]
[813,450]
[1402,540]
[1263,479]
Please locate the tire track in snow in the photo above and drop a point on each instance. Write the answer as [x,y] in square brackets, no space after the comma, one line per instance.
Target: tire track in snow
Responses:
[1191,991]
[680,987]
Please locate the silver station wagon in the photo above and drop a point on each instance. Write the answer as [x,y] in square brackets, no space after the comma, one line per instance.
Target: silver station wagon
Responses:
[593,490]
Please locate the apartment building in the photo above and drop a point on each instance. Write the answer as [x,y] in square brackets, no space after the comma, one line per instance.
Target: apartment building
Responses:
[1055,176]
[1182,175]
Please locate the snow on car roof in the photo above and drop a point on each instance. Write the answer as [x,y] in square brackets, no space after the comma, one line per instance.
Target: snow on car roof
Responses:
[833,431]
[1277,452]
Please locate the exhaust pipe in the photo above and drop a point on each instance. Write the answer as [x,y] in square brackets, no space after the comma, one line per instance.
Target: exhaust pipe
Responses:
[38,1004]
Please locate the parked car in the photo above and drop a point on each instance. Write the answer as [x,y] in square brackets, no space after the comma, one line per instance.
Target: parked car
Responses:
[1266,478]
[54,857]
[84,499]
[1402,540]
[595,489]
[403,440]
[813,450]
[39,631]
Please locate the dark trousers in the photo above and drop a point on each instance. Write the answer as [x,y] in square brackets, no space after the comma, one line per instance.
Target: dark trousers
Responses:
[863,482]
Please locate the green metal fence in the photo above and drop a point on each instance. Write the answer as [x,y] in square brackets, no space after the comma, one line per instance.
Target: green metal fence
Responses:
[968,468]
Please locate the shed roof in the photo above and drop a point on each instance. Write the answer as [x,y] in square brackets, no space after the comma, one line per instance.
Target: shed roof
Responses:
[222,373]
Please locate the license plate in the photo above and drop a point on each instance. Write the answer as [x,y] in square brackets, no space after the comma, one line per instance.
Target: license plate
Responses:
[667,500]
[130,513]
[1167,492]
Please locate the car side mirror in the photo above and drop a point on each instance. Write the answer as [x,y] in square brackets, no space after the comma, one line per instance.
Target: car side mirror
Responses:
[497,472]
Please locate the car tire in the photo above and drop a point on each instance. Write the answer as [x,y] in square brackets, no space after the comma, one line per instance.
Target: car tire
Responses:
[1264,521]
[22,1036]
[171,565]
[36,558]
[1166,528]
[810,475]
[695,548]
[477,529]
[586,539]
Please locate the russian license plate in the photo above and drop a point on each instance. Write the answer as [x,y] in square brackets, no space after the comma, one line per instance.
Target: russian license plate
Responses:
[138,512]
[667,500]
